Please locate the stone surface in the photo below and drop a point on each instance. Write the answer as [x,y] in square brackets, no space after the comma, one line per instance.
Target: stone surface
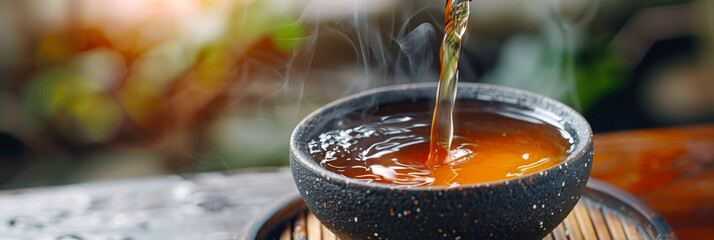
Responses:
[202,206]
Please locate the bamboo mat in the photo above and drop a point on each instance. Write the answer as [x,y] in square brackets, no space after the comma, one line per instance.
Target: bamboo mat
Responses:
[588,220]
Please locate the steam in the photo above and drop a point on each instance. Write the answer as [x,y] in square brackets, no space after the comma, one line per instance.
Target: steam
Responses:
[390,42]
[417,53]
[349,46]
[353,45]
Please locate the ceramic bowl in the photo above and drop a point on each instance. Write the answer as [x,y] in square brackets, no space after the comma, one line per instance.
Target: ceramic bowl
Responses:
[526,207]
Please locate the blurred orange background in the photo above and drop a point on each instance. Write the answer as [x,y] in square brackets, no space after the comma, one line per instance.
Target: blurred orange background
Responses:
[122,88]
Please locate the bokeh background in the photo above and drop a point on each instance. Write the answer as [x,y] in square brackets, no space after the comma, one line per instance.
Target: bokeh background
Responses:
[98,89]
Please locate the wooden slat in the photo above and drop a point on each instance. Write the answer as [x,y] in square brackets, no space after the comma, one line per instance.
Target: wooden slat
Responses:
[584,222]
[314,228]
[572,228]
[598,221]
[613,224]
[559,232]
[630,229]
[588,220]
[327,235]
[287,232]
[300,227]
[643,234]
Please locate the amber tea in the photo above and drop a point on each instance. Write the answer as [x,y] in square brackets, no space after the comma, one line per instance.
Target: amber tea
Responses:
[392,146]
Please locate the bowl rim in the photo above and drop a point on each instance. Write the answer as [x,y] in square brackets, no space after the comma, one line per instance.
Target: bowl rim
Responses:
[578,151]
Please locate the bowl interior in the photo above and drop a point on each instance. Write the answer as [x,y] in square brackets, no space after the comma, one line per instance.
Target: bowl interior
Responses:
[488,98]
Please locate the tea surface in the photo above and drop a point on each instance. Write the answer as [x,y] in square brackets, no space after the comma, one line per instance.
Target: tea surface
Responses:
[393,148]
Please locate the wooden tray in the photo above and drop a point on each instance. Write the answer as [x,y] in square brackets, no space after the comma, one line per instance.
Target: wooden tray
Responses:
[604,212]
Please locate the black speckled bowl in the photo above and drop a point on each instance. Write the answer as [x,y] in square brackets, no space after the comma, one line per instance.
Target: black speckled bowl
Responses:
[526,207]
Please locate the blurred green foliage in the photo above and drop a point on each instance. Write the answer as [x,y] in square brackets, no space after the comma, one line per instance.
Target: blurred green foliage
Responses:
[599,72]
[130,78]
